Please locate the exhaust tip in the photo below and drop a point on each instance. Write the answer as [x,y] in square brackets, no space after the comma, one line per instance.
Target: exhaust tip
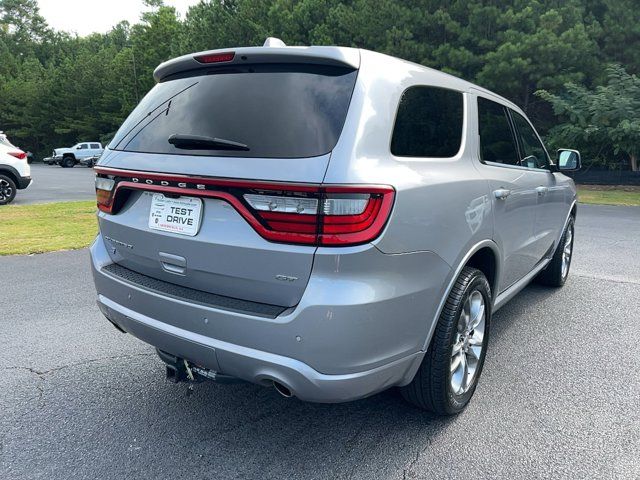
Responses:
[282,390]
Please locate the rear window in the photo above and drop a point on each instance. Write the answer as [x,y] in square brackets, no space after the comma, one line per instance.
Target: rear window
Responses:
[428,123]
[285,111]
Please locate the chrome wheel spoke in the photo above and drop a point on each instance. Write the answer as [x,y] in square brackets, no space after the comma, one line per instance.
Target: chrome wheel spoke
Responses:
[465,373]
[478,317]
[455,363]
[458,374]
[475,351]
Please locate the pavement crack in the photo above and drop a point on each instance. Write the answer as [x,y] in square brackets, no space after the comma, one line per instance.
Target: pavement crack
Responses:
[408,471]
[42,374]
[76,364]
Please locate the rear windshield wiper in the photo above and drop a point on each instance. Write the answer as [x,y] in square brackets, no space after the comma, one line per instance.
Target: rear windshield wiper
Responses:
[197,142]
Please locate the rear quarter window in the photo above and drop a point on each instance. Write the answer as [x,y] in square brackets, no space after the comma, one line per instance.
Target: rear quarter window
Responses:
[428,123]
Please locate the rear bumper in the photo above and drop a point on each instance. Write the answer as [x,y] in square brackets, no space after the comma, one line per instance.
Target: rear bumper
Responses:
[257,366]
[23,182]
[349,337]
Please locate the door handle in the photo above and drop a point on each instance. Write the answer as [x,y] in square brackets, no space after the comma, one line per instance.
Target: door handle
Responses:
[502,193]
[542,190]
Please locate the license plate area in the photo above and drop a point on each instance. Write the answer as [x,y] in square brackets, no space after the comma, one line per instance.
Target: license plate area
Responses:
[180,215]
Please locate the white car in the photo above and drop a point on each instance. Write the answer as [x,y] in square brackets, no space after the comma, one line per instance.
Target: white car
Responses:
[15,172]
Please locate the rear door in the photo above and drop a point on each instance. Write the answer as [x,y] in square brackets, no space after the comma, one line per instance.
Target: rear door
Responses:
[513,191]
[551,206]
[286,119]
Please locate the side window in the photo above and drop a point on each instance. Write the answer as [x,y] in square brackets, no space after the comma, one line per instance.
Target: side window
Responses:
[497,143]
[83,146]
[428,123]
[534,154]
[95,146]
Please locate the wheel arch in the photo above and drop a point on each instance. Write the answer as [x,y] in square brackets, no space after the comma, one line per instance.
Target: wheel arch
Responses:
[10,172]
[482,255]
[485,259]
[571,214]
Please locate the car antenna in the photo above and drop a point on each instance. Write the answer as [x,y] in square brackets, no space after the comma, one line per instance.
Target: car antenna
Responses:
[274,42]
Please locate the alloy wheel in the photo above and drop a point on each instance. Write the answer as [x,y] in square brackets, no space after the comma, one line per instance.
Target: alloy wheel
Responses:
[468,343]
[567,250]
[6,190]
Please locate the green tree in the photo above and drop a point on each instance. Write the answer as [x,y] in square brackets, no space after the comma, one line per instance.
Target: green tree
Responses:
[605,115]
[57,88]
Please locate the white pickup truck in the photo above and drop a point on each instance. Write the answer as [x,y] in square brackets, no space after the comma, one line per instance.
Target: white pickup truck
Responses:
[84,153]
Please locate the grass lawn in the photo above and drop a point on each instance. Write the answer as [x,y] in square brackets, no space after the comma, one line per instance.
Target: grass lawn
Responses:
[609,194]
[47,227]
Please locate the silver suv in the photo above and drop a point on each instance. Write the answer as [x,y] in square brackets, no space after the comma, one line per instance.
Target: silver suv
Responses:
[328,221]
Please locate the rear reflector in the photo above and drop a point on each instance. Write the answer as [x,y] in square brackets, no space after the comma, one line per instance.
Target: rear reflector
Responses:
[319,215]
[215,57]
[18,155]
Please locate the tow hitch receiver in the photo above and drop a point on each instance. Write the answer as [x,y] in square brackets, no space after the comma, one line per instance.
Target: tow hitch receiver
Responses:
[181,370]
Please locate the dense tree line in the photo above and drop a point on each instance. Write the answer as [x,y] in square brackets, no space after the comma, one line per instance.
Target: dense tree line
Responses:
[570,64]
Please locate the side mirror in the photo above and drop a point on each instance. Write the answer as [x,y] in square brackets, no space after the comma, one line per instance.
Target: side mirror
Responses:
[78,147]
[569,160]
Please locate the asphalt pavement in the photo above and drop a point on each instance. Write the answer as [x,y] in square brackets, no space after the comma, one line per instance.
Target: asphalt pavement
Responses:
[52,183]
[559,396]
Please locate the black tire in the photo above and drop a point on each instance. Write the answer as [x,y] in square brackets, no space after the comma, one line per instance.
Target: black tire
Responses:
[553,274]
[431,389]
[7,190]
[68,162]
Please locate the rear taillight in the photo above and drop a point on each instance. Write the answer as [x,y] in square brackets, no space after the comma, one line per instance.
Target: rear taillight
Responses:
[332,215]
[18,155]
[335,215]
[104,193]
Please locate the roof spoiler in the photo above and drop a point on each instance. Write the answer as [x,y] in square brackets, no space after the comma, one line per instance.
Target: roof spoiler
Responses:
[274,50]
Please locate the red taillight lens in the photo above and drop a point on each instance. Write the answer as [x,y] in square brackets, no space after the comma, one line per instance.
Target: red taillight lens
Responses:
[104,193]
[358,227]
[215,57]
[18,155]
[334,215]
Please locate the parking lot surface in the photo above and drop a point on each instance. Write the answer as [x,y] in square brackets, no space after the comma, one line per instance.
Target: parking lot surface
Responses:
[52,183]
[559,396]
